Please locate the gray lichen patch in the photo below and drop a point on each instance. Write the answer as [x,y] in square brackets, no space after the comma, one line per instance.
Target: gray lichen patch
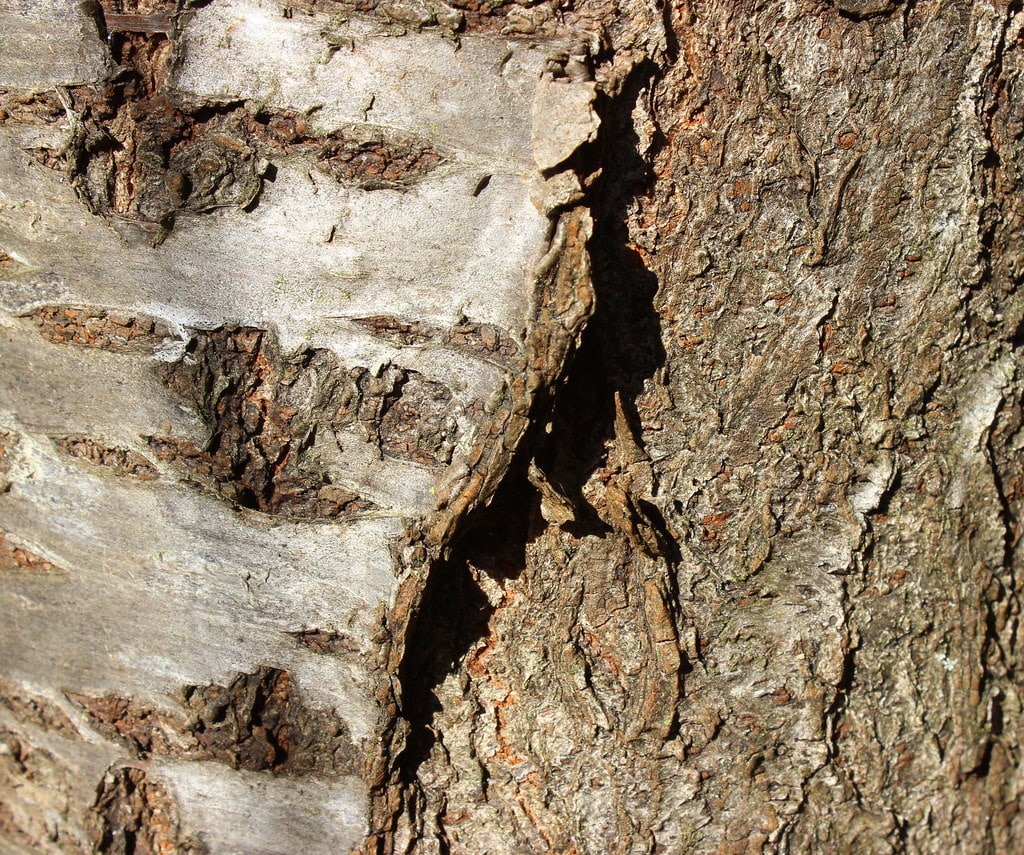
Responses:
[419,424]
[402,17]
[49,44]
[563,120]
[99,328]
[278,814]
[406,415]
[244,574]
[350,71]
[349,430]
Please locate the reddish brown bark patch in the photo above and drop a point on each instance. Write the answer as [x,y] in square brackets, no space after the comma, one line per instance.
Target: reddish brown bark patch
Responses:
[151,17]
[133,815]
[397,331]
[307,497]
[143,155]
[363,156]
[408,416]
[35,710]
[144,8]
[509,17]
[267,410]
[120,461]
[326,642]
[485,341]
[29,107]
[99,328]
[258,722]
[376,163]
[142,729]
[14,557]
[264,410]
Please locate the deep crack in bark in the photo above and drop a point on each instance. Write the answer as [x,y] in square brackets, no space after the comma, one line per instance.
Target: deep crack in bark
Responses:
[571,419]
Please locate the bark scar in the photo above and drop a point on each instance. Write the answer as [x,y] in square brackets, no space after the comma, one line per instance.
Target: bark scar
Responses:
[561,304]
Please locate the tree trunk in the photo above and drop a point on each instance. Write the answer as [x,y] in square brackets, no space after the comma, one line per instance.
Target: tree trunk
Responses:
[505,428]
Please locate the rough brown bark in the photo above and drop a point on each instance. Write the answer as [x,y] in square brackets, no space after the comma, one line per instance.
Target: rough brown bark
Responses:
[783,614]
[727,561]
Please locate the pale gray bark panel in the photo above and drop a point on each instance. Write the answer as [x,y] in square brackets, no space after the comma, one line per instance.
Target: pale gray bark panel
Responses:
[138,599]
[234,812]
[418,82]
[47,43]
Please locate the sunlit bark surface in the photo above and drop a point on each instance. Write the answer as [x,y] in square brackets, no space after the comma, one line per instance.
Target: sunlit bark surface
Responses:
[510,428]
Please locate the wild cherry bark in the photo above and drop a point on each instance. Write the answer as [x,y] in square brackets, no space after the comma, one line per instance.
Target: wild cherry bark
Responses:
[560,427]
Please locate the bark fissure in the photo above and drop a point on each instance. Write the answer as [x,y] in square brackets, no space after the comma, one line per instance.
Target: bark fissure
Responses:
[571,420]
[710,545]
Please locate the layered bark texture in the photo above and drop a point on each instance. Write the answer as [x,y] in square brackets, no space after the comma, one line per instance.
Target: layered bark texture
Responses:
[271,275]
[767,596]
[506,428]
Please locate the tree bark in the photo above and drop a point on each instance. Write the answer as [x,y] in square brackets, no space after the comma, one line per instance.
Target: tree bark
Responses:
[511,428]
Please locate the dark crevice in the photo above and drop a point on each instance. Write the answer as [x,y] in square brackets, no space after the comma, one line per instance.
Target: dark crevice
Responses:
[621,347]
[1007,517]
[837,709]
[454,615]
[570,424]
